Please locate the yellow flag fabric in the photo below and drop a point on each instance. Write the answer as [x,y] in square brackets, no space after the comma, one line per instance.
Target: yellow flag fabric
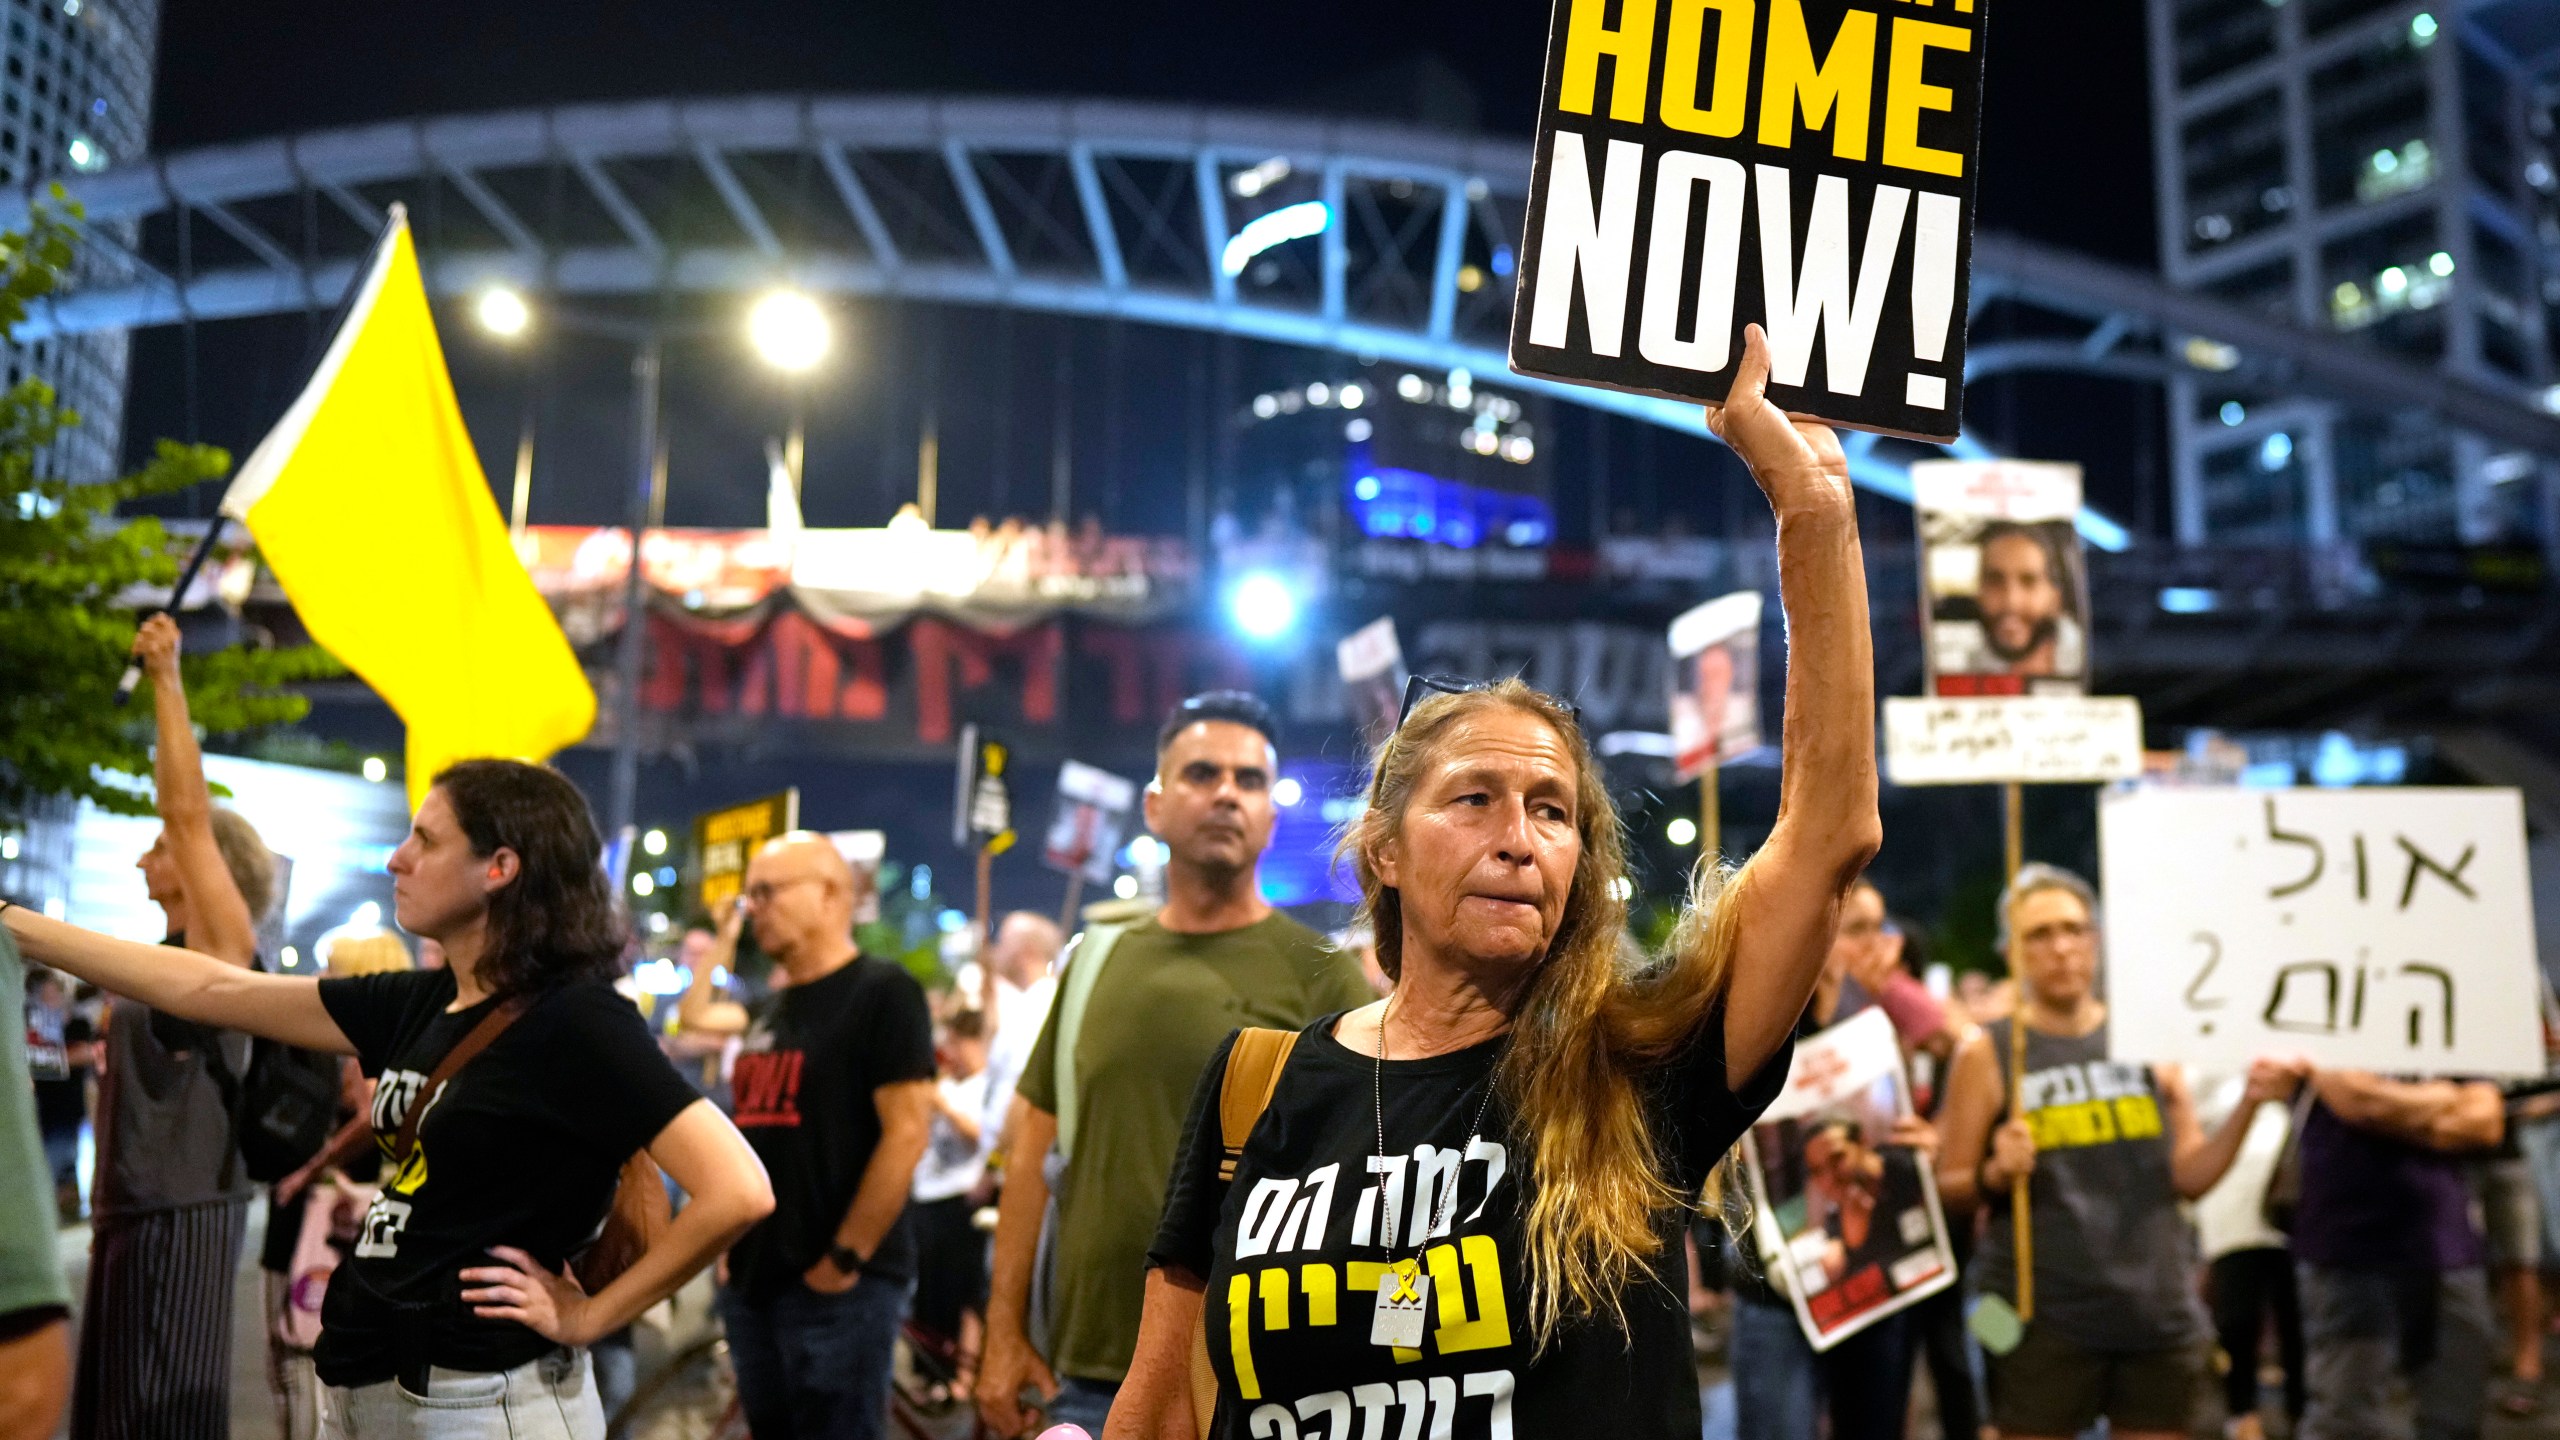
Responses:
[369,504]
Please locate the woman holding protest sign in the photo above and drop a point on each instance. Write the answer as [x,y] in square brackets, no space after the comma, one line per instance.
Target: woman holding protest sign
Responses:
[2109,1148]
[1535,1115]
[515,1089]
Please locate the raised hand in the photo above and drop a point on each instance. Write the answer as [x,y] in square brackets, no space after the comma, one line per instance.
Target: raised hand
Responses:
[1798,463]
[156,646]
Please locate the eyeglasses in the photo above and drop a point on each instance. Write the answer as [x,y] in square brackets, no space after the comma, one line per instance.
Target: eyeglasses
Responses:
[2044,936]
[1417,686]
[761,893]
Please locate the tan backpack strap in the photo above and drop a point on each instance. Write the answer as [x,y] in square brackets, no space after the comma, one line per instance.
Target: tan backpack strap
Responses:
[1254,1064]
[491,1026]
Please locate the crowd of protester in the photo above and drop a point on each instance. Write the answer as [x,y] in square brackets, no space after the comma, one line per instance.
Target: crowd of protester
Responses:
[1457,1172]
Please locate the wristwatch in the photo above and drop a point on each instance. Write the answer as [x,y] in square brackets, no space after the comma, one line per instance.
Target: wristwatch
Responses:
[847,1259]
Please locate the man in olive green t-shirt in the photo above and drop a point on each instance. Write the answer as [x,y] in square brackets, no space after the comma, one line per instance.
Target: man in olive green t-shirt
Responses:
[1171,988]
[35,1350]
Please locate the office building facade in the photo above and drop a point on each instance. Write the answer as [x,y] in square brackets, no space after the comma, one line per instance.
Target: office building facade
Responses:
[2382,170]
[75,96]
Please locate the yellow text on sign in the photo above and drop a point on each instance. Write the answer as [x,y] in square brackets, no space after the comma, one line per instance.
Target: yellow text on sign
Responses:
[1834,90]
[1466,1276]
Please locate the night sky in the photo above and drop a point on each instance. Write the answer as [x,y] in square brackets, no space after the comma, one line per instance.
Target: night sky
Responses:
[2066,159]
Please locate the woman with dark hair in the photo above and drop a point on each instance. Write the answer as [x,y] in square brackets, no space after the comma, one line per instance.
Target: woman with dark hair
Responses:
[457,1314]
[1461,1208]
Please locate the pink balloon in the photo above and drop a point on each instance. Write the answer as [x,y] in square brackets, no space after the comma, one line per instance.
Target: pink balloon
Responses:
[1065,1432]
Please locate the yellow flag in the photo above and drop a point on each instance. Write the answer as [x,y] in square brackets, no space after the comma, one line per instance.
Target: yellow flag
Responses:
[370,506]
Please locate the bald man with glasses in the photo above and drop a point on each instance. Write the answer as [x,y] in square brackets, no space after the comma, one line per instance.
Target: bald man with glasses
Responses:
[834,1088]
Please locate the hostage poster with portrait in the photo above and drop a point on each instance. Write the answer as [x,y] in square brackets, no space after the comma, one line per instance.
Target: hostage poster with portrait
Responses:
[1715,683]
[1847,1224]
[2004,586]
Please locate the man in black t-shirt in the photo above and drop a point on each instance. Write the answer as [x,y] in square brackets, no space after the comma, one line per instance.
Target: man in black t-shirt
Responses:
[834,1088]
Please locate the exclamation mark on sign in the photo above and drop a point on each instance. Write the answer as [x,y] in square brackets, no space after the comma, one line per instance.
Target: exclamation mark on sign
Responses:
[1933,294]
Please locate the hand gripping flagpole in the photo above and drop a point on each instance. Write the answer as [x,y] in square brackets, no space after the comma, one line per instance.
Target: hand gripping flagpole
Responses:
[177,596]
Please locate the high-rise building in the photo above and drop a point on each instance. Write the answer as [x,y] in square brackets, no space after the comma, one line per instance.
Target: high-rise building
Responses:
[75,95]
[2381,170]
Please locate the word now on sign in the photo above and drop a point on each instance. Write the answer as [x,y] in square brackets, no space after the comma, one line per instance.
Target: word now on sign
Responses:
[1804,163]
[2381,929]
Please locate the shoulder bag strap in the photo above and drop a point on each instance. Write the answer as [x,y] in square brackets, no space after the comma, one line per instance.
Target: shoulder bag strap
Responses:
[1254,1064]
[491,1026]
[1075,991]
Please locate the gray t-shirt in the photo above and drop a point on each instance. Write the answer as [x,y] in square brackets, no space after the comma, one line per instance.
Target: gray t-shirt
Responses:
[164,1134]
[2114,1259]
[30,1265]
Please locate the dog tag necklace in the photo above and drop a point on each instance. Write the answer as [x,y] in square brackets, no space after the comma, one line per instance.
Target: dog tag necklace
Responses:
[1404,1291]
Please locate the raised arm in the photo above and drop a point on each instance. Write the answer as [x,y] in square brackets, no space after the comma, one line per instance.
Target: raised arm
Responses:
[186,983]
[2197,1160]
[2438,1114]
[1788,897]
[702,1010]
[218,919]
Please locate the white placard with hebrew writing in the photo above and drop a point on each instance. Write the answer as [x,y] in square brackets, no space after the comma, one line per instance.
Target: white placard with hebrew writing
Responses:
[2377,929]
[2033,739]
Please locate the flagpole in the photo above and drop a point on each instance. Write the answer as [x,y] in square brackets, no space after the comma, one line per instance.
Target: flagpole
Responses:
[177,596]
[628,654]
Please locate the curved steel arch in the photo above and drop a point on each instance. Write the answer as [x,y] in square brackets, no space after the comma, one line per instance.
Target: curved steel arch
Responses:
[1093,208]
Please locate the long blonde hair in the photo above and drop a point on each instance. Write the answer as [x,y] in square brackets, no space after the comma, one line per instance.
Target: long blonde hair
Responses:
[1588,1022]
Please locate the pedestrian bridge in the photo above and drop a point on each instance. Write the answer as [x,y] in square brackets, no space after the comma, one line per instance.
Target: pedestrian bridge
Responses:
[1362,237]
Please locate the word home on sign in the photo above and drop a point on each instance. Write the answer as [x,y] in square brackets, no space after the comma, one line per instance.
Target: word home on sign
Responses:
[1806,164]
[2381,929]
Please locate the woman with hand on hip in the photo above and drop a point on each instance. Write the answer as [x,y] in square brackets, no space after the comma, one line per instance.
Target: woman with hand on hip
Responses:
[1462,1205]
[456,1315]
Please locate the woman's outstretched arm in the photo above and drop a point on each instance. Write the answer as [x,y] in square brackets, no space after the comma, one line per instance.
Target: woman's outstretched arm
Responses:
[1788,898]
[185,983]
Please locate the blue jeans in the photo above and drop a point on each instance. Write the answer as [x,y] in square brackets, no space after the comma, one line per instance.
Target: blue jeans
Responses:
[1779,1382]
[1083,1402]
[812,1366]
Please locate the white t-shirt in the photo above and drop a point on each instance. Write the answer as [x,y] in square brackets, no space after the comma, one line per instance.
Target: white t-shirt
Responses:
[952,1163]
[1020,1012]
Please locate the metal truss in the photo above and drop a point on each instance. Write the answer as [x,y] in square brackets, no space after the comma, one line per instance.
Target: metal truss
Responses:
[1069,207]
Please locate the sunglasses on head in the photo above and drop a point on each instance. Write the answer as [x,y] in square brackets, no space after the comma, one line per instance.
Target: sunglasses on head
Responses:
[1417,686]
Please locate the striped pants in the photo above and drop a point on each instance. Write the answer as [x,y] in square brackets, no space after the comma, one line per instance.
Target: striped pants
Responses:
[155,1328]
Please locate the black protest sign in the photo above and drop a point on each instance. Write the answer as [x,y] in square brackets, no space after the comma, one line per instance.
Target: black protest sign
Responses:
[1805,164]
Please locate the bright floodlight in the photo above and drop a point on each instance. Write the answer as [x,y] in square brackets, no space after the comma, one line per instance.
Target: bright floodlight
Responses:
[789,330]
[655,842]
[374,769]
[503,313]
[1287,792]
[1681,831]
[1263,606]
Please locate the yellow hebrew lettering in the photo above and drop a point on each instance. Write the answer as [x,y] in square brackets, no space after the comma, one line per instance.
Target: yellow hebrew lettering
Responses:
[1491,1328]
[2137,1117]
[1836,90]
[1275,1299]
[1316,1283]
[1587,38]
[1240,1336]
[1906,94]
[1726,112]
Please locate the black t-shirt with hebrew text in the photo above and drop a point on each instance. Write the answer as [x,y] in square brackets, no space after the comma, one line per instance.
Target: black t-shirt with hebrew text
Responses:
[522,1147]
[1293,1247]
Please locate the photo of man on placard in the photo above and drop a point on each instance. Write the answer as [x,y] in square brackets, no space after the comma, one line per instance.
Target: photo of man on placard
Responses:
[2004,579]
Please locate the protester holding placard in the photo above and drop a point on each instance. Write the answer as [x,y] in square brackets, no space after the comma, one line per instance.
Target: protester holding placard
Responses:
[1391,1239]
[2110,1148]
[2395,1302]
[1782,1385]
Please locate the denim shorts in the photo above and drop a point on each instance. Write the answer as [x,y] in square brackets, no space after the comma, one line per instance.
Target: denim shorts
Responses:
[553,1398]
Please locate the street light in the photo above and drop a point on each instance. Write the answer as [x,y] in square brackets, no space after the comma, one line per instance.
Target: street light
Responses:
[789,330]
[503,312]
